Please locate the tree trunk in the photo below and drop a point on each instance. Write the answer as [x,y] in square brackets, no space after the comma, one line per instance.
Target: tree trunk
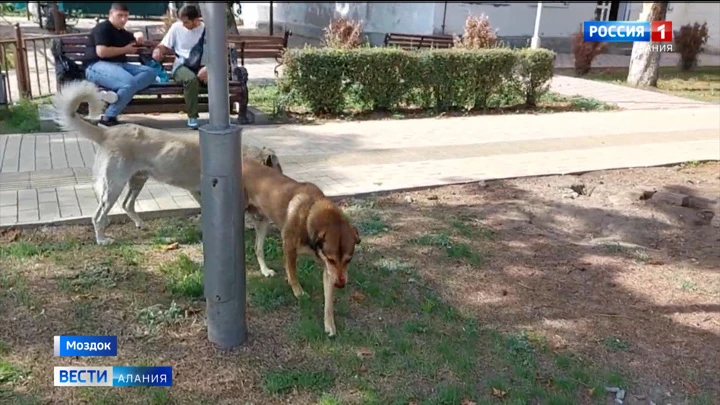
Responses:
[644,63]
[230,19]
[232,28]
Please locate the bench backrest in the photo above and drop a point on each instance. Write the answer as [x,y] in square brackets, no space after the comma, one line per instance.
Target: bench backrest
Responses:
[259,46]
[410,42]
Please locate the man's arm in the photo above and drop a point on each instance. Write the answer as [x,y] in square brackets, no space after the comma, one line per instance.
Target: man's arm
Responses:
[166,45]
[102,45]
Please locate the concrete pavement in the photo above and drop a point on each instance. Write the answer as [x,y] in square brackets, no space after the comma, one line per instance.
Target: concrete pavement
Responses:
[46,178]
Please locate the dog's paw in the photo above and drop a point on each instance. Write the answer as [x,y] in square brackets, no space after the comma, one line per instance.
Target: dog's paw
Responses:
[330,330]
[105,241]
[267,272]
[299,293]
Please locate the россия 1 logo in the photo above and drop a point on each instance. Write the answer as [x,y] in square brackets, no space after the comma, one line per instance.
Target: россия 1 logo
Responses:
[627,31]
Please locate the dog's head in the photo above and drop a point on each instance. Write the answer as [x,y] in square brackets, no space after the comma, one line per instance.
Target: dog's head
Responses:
[271,159]
[333,240]
[263,155]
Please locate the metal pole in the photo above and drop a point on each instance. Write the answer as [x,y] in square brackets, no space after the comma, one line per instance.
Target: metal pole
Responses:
[444,18]
[272,19]
[223,216]
[535,41]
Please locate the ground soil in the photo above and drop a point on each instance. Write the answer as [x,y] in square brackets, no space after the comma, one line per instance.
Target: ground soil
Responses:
[580,269]
[579,261]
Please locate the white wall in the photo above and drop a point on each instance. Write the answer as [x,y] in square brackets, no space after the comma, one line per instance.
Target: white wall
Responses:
[416,18]
[518,19]
[689,13]
[376,17]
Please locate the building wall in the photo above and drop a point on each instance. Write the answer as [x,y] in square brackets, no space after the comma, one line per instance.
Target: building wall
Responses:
[517,19]
[309,19]
[514,21]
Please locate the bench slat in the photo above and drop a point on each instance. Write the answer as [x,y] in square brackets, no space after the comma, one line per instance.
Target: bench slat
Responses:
[436,37]
[411,42]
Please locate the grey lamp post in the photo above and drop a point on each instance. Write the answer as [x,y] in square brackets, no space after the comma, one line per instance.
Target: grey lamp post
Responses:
[223,217]
[535,41]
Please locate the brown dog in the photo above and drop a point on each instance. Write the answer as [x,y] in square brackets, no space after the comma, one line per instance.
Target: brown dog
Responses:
[309,223]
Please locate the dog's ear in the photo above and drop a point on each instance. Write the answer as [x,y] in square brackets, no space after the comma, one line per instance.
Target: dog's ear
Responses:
[272,161]
[356,234]
[317,239]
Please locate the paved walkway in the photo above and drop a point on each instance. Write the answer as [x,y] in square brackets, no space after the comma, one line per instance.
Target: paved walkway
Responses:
[45,178]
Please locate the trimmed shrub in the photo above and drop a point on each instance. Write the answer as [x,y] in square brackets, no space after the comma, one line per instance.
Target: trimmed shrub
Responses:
[585,52]
[327,80]
[533,74]
[689,41]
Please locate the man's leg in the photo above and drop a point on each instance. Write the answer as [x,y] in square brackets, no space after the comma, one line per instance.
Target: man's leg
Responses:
[191,91]
[111,76]
[142,77]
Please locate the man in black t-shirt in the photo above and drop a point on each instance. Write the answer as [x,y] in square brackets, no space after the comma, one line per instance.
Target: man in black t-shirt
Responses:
[106,62]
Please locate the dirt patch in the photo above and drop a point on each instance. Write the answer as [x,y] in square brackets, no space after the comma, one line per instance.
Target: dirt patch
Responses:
[539,290]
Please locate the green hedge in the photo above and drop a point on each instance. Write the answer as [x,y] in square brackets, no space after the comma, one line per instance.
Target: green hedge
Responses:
[328,80]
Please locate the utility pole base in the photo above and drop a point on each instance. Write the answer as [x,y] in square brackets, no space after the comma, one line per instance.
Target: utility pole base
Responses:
[535,43]
[223,227]
[223,328]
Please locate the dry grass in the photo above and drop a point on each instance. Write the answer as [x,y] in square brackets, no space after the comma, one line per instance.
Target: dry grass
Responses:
[701,83]
[508,294]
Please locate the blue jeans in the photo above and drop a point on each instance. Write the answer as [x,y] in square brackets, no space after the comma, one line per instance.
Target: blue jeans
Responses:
[125,79]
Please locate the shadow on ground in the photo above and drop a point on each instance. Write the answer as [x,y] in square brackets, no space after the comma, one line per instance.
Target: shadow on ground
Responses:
[515,291]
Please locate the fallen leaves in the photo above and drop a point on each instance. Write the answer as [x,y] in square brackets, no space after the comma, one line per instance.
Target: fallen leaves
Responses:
[9,235]
[84,297]
[172,246]
[498,393]
[358,296]
[365,352]
[469,402]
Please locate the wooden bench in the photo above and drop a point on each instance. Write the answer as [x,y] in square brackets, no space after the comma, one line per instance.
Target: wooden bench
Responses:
[158,97]
[260,46]
[412,42]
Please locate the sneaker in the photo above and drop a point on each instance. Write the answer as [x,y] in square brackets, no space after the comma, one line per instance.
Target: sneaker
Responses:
[192,123]
[108,122]
[109,97]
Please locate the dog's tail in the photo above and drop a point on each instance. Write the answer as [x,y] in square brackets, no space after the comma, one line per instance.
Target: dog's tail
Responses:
[66,102]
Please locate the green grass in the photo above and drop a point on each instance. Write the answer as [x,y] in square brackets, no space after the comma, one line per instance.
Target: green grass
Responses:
[20,118]
[614,344]
[282,381]
[399,340]
[184,277]
[453,249]
[701,83]
[402,334]
[181,230]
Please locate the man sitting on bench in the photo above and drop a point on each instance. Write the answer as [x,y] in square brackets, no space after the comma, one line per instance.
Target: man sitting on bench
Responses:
[181,38]
[106,62]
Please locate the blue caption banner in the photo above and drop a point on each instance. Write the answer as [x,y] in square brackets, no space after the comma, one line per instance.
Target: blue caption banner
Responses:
[101,346]
[616,31]
[116,376]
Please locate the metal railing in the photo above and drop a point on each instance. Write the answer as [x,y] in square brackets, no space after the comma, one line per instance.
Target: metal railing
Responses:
[29,65]
[8,50]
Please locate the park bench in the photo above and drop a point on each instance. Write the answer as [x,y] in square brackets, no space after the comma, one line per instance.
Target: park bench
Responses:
[412,42]
[260,47]
[247,46]
[158,97]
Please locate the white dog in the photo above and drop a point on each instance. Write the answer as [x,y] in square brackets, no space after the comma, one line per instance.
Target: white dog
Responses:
[129,153]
